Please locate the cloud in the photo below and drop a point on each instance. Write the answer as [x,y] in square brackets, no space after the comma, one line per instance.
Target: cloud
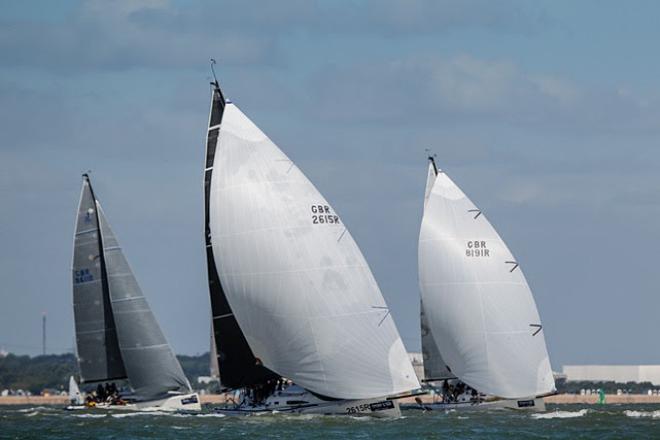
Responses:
[124,34]
[469,89]
[431,17]
[99,36]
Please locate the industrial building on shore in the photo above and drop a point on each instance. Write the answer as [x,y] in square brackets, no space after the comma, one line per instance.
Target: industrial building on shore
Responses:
[612,373]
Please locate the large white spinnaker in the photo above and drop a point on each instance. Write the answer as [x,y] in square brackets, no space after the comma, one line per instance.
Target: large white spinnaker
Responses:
[477,303]
[298,286]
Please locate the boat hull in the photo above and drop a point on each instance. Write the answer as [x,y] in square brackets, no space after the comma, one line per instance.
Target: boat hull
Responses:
[531,404]
[381,408]
[178,403]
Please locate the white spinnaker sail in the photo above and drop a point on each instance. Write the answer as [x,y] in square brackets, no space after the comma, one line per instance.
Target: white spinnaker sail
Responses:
[75,397]
[297,283]
[477,302]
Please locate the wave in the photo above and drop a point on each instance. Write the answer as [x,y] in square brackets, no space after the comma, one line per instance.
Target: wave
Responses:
[640,414]
[90,416]
[561,414]
[140,413]
[34,408]
[202,415]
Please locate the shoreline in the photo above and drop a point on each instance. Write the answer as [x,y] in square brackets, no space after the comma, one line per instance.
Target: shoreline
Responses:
[214,399]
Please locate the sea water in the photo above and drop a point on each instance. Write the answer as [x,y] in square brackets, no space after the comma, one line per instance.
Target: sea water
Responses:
[559,422]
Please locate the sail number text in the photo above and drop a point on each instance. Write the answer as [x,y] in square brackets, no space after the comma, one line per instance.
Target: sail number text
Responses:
[477,248]
[358,409]
[82,276]
[322,214]
[370,407]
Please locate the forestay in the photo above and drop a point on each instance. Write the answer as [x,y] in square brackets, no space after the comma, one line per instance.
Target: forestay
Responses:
[297,283]
[478,305]
[152,368]
[99,358]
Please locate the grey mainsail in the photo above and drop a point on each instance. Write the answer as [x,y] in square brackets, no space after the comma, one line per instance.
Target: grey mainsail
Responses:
[152,368]
[434,366]
[99,358]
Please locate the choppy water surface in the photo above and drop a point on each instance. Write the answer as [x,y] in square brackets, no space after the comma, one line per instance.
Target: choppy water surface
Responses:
[559,422]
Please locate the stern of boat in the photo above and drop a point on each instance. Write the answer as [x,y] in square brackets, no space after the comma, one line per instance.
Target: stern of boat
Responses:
[533,404]
[180,402]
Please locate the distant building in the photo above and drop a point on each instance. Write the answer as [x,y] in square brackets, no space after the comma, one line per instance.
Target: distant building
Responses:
[614,373]
[3,353]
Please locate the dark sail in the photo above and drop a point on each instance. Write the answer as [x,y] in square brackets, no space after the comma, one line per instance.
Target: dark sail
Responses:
[97,345]
[237,364]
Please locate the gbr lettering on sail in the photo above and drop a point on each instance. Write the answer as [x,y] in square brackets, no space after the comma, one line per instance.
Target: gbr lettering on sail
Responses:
[323,214]
[477,248]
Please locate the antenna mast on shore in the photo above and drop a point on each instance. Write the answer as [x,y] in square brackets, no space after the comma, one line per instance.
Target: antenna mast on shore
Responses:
[43,334]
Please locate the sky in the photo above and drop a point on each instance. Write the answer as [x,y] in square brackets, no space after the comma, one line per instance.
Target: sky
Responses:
[546,113]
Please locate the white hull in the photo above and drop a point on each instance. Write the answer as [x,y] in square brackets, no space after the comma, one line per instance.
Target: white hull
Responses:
[372,408]
[531,404]
[180,402]
[183,402]
[295,400]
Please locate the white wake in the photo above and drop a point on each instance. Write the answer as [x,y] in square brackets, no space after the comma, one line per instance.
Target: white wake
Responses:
[561,414]
[640,414]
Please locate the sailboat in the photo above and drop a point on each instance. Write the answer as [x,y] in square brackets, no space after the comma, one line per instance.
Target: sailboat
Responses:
[300,323]
[75,396]
[479,323]
[117,337]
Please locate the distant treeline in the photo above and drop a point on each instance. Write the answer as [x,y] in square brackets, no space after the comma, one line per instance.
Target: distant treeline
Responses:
[37,373]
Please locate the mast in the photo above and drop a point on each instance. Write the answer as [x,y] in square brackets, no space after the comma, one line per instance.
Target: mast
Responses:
[238,367]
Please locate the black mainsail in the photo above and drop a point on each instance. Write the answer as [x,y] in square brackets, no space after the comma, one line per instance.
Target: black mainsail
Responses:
[237,364]
[99,358]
